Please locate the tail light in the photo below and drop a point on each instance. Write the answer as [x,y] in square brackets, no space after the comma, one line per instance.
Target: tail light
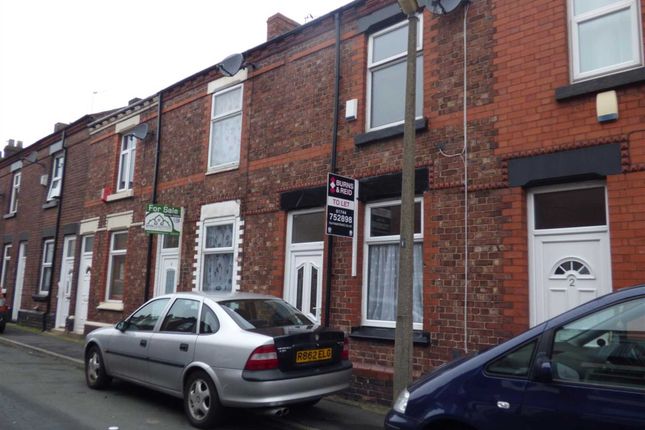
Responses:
[345,354]
[263,358]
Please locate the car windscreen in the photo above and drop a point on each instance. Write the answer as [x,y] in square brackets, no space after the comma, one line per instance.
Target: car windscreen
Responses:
[263,313]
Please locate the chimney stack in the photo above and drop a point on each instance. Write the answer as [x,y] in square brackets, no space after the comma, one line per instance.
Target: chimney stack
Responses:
[59,126]
[279,24]
[11,148]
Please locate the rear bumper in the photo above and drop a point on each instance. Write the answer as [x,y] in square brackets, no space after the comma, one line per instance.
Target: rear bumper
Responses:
[237,392]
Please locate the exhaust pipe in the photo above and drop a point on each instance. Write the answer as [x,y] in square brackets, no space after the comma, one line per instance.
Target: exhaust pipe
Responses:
[276,412]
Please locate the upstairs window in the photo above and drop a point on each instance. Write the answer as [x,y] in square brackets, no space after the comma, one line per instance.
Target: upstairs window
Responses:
[605,37]
[57,177]
[386,62]
[226,129]
[126,163]
[15,190]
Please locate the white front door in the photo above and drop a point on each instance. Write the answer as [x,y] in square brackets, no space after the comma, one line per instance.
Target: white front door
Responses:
[570,260]
[167,276]
[304,260]
[305,285]
[20,279]
[65,281]
[83,288]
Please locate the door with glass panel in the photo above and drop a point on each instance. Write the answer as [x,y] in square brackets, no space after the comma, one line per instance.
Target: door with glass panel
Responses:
[65,281]
[570,259]
[303,274]
[83,288]
[167,264]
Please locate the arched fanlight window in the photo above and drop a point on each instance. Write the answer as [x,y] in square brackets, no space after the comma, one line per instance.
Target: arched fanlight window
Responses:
[571,266]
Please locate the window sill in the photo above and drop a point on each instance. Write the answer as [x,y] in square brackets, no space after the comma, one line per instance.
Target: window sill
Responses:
[386,133]
[600,84]
[220,169]
[421,338]
[40,297]
[119,196]
[110,306]
[11,215]
[51,204]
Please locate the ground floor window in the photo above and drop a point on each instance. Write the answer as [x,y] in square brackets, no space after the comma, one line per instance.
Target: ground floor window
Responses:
[218,251]
[116,270]
[46,266]
[6,258]
[381,263]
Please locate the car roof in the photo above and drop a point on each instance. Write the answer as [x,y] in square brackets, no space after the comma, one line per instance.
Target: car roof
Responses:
[220,297]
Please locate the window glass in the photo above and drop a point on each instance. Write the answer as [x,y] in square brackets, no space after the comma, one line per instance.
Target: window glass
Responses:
[126,163]
[226,140]
[389,44]
[388,93]
[604,348]
[260,313]
[227,102]
[573,208]
[71,248]
[89,244]
[309,227]
[218,272]
[386,220]
[170,241]
[46,267]
[170,281]
[182,317]
[219,236]
[117,277]
[605,41]
[120,241]
[514,363]
[146,318]
[209,323]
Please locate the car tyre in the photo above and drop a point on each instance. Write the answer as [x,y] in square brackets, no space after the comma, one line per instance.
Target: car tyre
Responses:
[2,325]
[95,375]
[201,402]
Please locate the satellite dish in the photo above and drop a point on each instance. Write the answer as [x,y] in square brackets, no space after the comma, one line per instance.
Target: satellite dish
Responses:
[140,131]
[231,64]
[442,7]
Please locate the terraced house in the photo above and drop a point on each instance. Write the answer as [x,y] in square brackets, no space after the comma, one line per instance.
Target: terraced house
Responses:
[530,179]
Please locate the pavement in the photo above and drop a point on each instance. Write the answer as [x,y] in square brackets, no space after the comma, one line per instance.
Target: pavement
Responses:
[69,347]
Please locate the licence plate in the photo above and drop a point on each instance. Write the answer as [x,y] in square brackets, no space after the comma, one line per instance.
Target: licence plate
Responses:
[309,355]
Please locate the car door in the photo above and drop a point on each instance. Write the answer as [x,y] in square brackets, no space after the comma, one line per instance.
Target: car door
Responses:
[596,376]
[172,348]
[127,352]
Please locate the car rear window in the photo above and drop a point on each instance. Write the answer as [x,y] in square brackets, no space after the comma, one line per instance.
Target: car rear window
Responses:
[261,313]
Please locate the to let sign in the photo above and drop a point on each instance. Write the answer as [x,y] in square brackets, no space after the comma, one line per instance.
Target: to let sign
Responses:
[163,219]
[341,205]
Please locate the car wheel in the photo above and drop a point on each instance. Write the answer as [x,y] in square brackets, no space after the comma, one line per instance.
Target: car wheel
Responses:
[95,374]
[201,401]
[2,327]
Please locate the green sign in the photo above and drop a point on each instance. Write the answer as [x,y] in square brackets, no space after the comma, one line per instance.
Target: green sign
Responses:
[163,219]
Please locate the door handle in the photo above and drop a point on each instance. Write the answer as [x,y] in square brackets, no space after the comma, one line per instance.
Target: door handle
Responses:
[183,347]
[143,342]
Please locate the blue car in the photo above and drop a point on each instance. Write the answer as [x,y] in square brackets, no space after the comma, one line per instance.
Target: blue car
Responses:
[584,369]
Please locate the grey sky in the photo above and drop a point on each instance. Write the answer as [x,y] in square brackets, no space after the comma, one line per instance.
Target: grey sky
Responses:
[62,59]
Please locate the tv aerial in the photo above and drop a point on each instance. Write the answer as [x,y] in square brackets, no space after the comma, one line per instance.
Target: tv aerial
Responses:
[232,64]
[442,7]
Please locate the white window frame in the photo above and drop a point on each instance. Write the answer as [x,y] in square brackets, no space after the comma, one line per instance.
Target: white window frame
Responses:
[114,253]
[387,62]
[6,258]
[15,191]
[382,240]
[233,249]
[574,45]
[58,168]
[127,158]
[213,168]
[46,264]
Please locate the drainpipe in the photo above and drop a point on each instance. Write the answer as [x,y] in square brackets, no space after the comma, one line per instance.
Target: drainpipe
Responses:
[155,179]
[334,143]
[59,211]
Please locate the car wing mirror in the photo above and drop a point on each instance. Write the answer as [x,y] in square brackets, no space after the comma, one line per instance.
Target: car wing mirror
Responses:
[122,326]
[543,369]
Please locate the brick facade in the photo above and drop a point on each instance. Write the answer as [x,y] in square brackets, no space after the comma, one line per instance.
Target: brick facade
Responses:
[517,58]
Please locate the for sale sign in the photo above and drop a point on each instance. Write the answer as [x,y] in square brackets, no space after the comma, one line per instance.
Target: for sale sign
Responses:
[163,219]
[341,205]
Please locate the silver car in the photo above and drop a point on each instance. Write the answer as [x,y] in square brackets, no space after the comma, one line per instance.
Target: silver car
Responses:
[215,351]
